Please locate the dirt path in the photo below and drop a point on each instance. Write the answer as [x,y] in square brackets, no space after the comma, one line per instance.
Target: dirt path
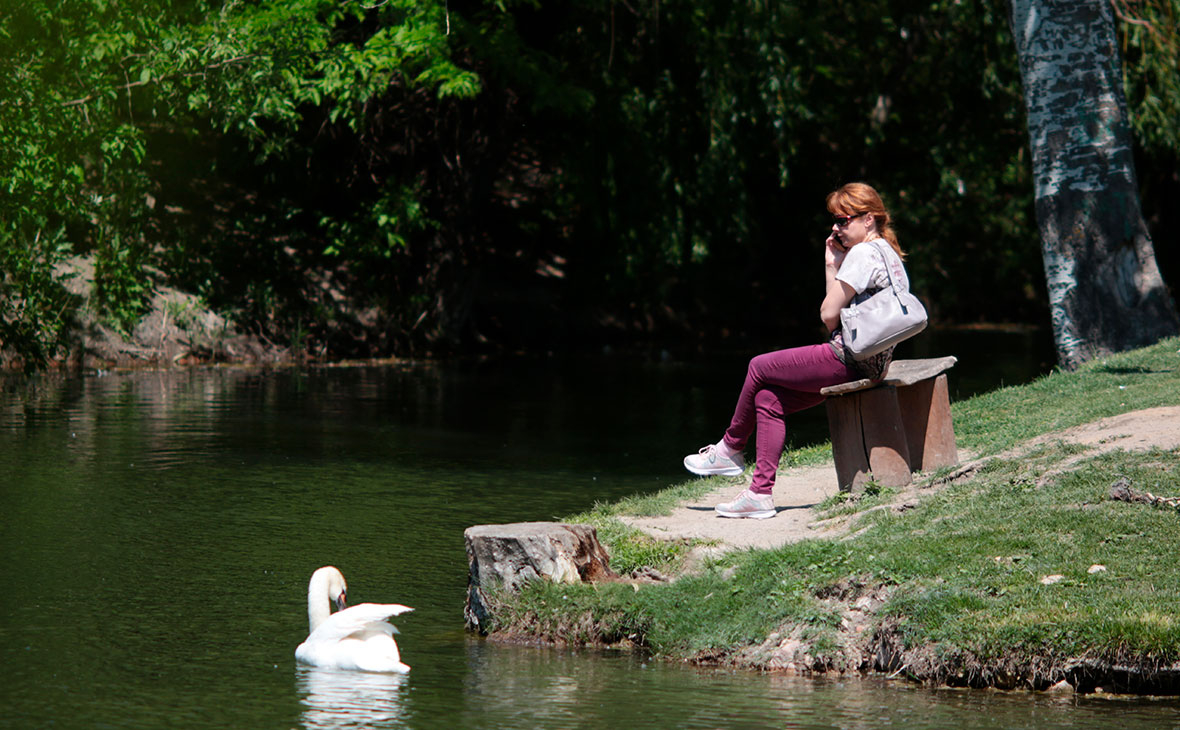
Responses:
[797,491]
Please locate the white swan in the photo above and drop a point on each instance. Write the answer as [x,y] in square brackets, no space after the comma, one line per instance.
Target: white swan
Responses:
[359,637]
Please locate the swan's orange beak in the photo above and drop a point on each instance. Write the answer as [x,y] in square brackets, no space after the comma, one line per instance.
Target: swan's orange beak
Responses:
[341,603]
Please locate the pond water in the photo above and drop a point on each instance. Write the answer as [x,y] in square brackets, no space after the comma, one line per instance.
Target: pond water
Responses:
[159,529]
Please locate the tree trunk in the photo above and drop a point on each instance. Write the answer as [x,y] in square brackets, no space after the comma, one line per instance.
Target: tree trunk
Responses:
[1105,289]
[505,557]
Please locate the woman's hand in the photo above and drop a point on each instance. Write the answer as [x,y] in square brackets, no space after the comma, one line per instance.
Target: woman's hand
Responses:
[838,294]
[834,252]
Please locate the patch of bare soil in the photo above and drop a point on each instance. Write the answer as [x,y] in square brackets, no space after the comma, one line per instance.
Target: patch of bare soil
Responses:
[1135,431]
[796,492]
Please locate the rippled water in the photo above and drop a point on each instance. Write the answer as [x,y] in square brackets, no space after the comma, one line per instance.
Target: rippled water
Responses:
[159,529]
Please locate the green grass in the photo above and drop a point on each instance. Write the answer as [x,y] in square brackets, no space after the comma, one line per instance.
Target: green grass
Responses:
[846,503]
[704,613]
[973,559]
[965,566]
[995,421]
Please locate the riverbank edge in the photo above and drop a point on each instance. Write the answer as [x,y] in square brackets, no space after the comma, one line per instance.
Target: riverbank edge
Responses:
[176,329]
[881,654]
[866,643]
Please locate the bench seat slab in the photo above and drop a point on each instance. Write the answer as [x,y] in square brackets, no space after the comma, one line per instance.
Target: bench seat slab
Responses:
[900,373]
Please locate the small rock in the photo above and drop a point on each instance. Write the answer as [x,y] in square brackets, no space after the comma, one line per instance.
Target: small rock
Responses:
[1096,569]
[1049,580]
[1121,490]
[649,574]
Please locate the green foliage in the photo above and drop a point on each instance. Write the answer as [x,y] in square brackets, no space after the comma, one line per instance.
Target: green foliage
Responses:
[120,291]
[388,175]
[34,306]
[1149,33]
[90,86]
[255,69]
[717,129]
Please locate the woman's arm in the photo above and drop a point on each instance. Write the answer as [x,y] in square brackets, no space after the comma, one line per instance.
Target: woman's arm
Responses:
[838,293]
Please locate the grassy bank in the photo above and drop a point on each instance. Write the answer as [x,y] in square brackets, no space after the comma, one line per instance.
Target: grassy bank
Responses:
[984,580]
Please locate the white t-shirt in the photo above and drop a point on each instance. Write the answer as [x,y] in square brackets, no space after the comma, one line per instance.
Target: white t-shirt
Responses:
[863,269]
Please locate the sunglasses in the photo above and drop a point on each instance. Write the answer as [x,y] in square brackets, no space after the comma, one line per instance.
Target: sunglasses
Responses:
[844,220]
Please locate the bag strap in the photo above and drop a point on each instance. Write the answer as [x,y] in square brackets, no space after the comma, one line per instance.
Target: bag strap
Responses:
[885,260]
[892,283]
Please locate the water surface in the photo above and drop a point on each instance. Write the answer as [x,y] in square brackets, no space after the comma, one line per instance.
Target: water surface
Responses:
[160,527]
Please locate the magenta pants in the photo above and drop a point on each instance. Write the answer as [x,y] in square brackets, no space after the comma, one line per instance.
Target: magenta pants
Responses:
[779,383]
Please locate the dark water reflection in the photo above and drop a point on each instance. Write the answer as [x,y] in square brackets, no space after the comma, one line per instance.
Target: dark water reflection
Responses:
[570,689]
[159,529]
[512,687]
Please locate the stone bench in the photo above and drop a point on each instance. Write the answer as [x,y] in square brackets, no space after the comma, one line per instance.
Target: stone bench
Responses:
[884,431]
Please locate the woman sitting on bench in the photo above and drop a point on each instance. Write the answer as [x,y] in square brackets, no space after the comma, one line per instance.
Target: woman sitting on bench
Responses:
[787,381]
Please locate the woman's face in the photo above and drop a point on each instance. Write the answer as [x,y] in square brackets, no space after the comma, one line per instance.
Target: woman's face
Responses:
[854,228]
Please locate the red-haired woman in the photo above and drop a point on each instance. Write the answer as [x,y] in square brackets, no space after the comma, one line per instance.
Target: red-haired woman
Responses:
[786,381]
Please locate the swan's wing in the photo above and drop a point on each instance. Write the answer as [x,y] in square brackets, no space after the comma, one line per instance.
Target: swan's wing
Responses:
[363,618]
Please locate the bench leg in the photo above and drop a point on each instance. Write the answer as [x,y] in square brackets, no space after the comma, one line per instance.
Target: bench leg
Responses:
[930,433]
[852,463]
[868,440]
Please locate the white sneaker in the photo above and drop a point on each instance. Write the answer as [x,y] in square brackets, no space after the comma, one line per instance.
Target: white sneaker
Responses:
[748,504]
[709,462]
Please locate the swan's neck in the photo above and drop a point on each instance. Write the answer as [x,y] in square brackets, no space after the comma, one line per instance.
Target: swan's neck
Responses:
[319,606]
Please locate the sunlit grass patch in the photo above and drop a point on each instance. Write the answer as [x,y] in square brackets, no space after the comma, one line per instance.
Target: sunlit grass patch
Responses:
[813,455]
[991,570]
[998,420]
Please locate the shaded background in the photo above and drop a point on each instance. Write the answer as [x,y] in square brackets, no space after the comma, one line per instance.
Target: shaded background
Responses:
[461,177]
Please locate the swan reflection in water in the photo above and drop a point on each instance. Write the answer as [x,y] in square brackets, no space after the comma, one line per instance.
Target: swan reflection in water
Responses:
[333,698]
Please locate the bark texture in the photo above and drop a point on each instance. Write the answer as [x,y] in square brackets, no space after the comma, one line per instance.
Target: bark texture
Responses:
[1106,293]
[505,557]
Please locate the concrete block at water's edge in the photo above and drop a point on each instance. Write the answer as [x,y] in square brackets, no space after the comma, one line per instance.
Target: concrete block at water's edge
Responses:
[504,557]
